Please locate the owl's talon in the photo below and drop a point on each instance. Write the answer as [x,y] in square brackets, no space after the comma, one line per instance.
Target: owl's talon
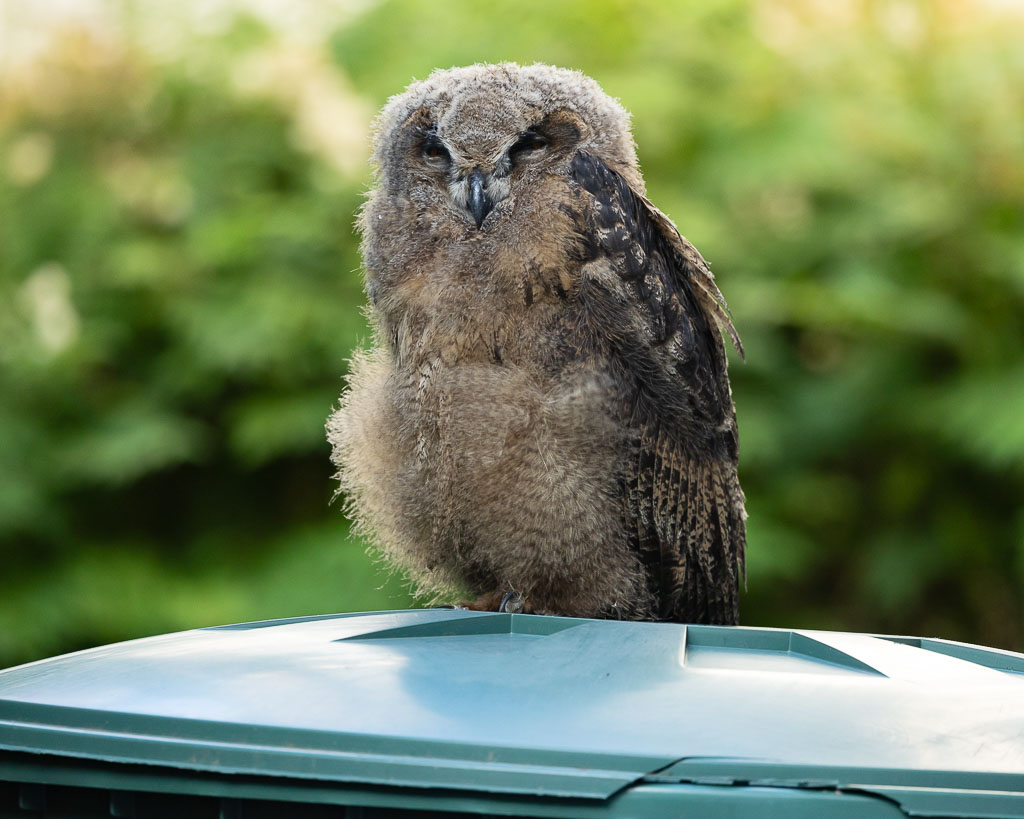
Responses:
[513,602]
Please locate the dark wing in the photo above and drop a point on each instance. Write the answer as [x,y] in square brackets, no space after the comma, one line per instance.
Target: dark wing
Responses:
[649,303]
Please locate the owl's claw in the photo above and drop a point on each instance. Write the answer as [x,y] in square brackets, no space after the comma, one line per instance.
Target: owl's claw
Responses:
[513,602]
[509,602]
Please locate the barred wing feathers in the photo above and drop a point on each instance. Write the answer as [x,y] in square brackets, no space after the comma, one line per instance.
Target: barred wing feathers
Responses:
[650,305]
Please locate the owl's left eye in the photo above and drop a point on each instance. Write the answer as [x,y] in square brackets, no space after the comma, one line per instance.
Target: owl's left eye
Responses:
[528,146]
[435,154]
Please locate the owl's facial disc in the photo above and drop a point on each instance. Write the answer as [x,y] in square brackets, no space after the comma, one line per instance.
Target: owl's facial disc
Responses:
[481,170]
[479,187]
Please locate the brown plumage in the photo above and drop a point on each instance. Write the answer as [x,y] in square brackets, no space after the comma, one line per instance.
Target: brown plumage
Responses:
[546,406]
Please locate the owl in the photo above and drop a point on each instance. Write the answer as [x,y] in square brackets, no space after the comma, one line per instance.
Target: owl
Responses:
[544,422]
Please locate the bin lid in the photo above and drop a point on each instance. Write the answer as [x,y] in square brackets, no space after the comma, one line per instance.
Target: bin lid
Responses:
[524,704]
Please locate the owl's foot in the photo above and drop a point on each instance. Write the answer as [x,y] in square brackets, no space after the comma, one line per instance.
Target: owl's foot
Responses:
[511,601]
[485,602]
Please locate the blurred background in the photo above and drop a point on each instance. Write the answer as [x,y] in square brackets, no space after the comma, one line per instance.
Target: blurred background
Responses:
[180,290]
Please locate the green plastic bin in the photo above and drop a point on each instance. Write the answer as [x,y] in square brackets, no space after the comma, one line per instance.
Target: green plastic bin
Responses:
[440,712]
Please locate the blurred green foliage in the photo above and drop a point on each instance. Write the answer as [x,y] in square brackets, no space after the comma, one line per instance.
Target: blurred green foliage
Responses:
[179,291]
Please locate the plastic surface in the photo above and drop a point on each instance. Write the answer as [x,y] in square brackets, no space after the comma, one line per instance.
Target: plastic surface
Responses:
[519,705]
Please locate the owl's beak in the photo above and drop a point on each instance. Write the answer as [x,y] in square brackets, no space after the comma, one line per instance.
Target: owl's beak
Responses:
[480,203]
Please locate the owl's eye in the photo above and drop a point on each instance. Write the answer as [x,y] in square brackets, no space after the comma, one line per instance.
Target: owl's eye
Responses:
[435,154]
[528,146]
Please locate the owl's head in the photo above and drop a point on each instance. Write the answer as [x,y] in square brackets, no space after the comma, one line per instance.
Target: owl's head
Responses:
[468,150]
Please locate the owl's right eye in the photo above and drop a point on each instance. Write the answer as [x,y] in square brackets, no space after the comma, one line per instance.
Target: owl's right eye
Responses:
[435,154]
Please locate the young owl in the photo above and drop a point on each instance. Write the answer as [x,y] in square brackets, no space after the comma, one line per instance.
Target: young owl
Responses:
[545,416]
